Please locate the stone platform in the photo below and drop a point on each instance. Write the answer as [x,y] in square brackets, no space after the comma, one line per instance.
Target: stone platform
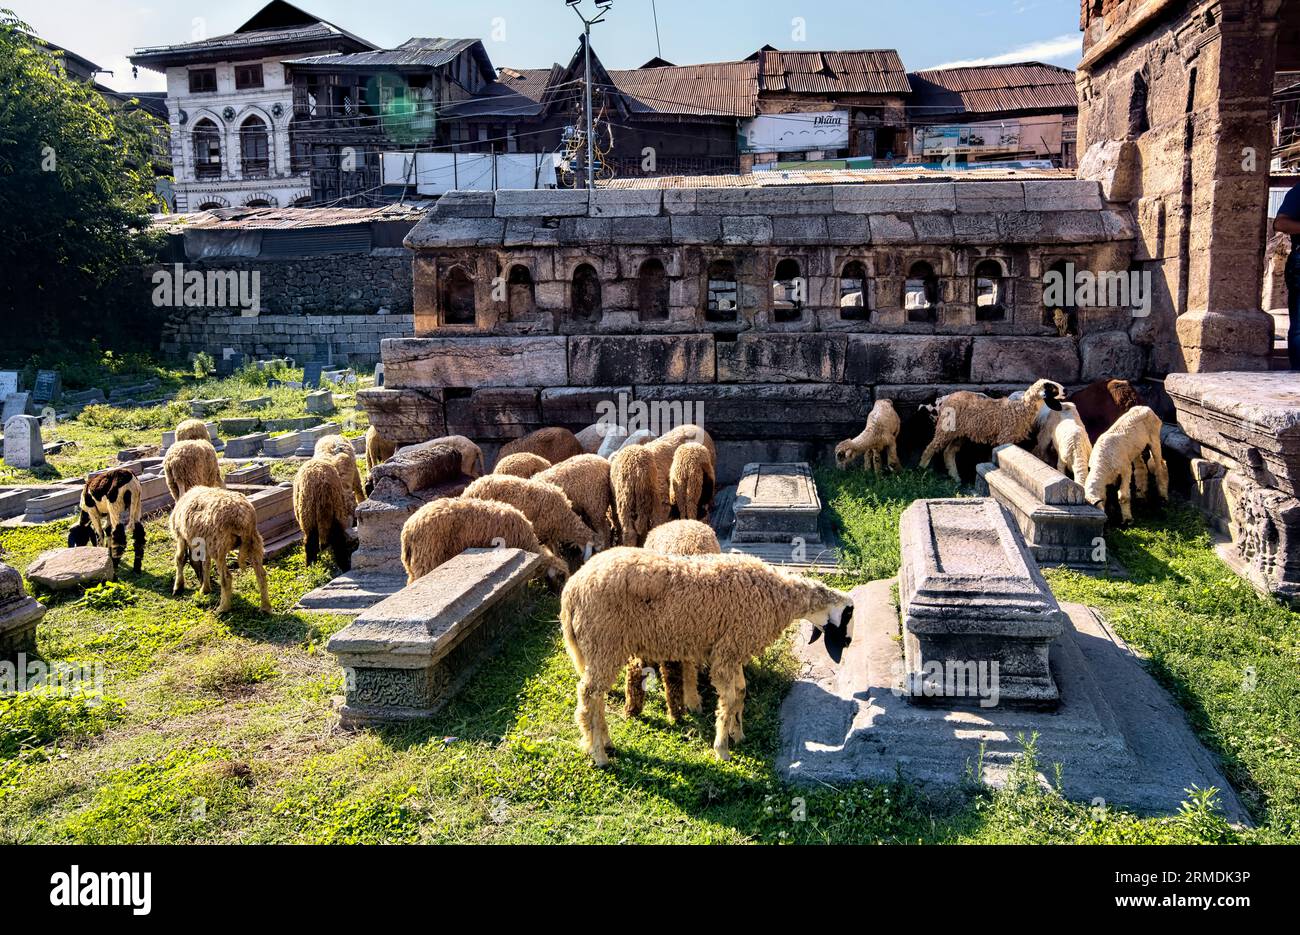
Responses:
[774,513]
[351,594]
[19,614]
[1118,736]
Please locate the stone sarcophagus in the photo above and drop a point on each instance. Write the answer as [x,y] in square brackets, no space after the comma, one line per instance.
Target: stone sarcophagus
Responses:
[776,503]
[978,617]
[19,614]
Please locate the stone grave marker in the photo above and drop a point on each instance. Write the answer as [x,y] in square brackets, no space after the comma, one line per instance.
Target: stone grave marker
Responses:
[15,404]
[8,383]
[19,614]
[48,387]
[311,372]
[23,448]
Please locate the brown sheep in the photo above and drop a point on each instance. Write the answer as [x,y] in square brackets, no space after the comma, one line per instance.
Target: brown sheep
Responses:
[190,464]
[324,511]
[339,451]
[442,529]
[633,476]
[553,444]
[207,523]
[471,455]
[721,611]
[1102,402]
[681,680]
[193,430]
[691,482]
[110,501]
[968,416]
[585,481]
[547,508]
[524,464]
[378,450]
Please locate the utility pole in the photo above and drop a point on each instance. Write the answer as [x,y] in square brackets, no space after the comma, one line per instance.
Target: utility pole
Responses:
[603,6]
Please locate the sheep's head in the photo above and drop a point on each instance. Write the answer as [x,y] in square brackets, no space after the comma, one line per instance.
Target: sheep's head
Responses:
[1094,489]
[834,620]
[81,534]
[557,572]
[1048,392]
[845,454]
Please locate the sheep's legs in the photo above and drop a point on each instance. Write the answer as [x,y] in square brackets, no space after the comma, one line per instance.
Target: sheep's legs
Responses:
[1161,471]
[671,674]
[182,553]
[891,449]
[227,581]
[1141,479]
[590,714]
[927,456]
[260,572]
[736,730]
[950,460]
[730,685]
[634,689]
[137,536]
[691,686]
[1125,493]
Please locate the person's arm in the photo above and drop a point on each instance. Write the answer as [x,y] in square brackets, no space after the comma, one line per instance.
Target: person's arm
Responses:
[1282,224]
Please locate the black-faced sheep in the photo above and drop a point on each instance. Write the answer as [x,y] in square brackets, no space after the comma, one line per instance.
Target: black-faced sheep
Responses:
[719,611]
[193,430]
[442,529]
[324,511]
[207,523]
[190,464]
[878,439]
[110,502]
[547,508]
[523,464]
[378,450]
[339,451]
[691,482]
[967,416]
[1120,455]
[553,444]
[585,481]
[681,679]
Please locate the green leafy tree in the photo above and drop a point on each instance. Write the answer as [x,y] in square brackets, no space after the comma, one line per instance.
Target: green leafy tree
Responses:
[76,187]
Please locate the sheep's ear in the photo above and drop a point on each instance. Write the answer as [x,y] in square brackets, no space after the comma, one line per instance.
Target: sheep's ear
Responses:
[816,634]
[1050,397]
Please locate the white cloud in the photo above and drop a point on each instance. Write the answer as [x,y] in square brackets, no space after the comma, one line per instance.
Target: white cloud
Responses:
[1068,48]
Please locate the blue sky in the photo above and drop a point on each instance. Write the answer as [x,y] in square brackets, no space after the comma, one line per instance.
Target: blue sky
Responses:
[535,33]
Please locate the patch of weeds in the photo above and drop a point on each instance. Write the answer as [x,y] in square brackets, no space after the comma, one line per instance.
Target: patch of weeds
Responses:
[232,669]
[34,719]
[108,596]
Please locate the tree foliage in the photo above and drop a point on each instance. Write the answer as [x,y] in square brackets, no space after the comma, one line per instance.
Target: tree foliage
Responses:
[76,187]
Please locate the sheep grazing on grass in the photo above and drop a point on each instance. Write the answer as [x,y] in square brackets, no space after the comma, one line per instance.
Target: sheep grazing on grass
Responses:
[339,451]
[193,430]
[633,477]
[681,680]
[111,501]
[967,416]
[378,450]
[524,464]
[190,464]
[691,482]
[1102,402]
[1120,456]
[1063,432]
[585,481]
[442,529]
[720,611]
[879,439]
[554,521]
[207,523]
[324,511]
[553,444]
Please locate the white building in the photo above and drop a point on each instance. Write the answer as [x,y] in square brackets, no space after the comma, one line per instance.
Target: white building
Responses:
[230,103]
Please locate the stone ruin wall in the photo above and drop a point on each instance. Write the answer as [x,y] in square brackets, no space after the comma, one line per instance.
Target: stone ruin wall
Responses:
[497,353]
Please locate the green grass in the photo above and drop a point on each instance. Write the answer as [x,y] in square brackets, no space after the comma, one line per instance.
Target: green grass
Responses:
[223,729]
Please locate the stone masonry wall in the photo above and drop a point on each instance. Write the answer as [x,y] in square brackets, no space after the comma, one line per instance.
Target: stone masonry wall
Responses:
[504,342]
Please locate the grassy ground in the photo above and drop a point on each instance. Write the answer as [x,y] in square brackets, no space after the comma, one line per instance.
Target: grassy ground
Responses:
[222,730]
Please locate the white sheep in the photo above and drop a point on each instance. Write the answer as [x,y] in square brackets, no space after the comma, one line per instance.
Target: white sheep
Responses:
[717,610]
[207,524]
[339,452]
[1064,433]
[968,416]
[879,438]
[190,464]
[585,481]
[1120,454]
[692,480]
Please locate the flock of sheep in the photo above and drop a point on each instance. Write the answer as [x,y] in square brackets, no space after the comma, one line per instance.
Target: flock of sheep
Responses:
[620,523]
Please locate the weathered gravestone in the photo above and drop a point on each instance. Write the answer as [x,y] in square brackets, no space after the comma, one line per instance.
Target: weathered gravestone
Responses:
[23,448]
[311,372]
[974,603]
[8,383]
[15,404]
[19,614]
[48,387]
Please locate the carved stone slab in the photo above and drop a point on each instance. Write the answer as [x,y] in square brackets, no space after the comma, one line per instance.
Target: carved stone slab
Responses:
[776,503]
[407,655]
[971,594]
[19,614]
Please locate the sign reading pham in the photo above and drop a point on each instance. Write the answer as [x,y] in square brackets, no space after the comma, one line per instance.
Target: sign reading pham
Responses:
[788,133]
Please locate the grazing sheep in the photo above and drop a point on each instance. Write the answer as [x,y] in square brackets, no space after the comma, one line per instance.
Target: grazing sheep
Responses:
[191,464]
[1119,456]
[681,679]
[553,444]
[339,451]
[110,502]
[524,464]
[193,430]
[968,416]
[378,450]
[324,511]
[207,523]
[633,476]
[691,482]
[442,529]
[591,437]
[547,508]
[1062,432]
[585,481]
[630,603]
[1102,402]
[879,437]
[472,462]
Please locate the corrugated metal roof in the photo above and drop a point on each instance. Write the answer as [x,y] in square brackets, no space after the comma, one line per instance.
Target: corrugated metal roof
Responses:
[413,53]
[864,71]
[723,89]
[516,92]
[285,218]
[776,179]
[991,89]
[293,35]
